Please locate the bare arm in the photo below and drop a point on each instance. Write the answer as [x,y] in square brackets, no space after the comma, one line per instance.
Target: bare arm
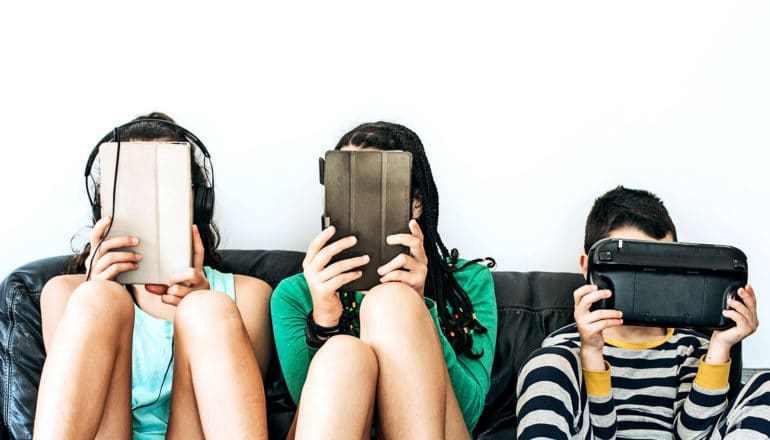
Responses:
[53,301]
[253,301]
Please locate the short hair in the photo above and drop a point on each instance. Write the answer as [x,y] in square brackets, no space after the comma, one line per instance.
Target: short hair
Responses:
[627,207]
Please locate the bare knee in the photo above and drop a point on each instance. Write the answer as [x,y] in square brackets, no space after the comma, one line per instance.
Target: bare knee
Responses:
[105,302]
[206,312]
[392,304]
[344,355]
[59,289]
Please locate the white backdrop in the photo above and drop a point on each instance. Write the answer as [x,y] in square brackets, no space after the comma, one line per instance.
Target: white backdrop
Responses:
[528,112]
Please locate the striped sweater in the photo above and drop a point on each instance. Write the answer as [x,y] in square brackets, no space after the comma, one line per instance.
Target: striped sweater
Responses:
[658,390]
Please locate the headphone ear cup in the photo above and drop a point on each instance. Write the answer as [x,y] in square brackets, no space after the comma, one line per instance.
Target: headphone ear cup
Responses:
[203,205]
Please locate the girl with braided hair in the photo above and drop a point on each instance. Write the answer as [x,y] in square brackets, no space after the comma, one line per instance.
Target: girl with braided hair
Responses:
[413,355]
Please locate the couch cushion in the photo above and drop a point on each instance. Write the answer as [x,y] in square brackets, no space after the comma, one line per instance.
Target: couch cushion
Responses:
[21,343]
[530,306]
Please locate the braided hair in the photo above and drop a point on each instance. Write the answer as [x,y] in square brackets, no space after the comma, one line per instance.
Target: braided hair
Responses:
[460,323]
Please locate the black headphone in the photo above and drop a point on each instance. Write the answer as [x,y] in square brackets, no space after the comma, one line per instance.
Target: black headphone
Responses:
[203,195]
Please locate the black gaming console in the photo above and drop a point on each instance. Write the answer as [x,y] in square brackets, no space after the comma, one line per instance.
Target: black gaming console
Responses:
[665,284]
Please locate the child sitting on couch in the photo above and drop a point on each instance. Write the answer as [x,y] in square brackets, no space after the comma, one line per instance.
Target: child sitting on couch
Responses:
[598,378]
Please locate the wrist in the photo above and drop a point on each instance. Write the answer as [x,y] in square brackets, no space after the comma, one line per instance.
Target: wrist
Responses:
[325,319]
[316,335]
[592,359]
[327,312]
[718,353]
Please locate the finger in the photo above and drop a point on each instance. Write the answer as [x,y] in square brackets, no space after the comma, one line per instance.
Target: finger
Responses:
[340,280]
[115,243]
[400,261]
[111,272]
[178,290]
[414,227]
[407,240]
[171,299]
[325,255]
[157,289]
[748,296]
[599,315]
[342,266]
[739,319]
[116,257]
[187,275]
[198,251]
[598,326]
[582,291]
[317,244]
[592,297]
[97,232]
[739,307]
[403,276]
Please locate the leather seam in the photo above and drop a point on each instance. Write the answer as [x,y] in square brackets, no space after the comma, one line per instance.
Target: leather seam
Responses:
[9,351]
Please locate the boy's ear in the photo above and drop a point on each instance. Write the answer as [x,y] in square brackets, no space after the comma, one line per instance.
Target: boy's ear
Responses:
[583,261]
[416,205]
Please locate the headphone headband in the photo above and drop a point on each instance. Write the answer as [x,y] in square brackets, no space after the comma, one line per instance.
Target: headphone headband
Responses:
[192,139]
[204,195]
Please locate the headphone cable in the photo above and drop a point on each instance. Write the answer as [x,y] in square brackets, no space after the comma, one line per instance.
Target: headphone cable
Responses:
[116,136]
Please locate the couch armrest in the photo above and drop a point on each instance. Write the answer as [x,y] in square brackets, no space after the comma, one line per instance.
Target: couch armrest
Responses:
[21,342]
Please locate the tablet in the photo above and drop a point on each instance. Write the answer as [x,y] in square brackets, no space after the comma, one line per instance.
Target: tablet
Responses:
[153,201]
[367,193]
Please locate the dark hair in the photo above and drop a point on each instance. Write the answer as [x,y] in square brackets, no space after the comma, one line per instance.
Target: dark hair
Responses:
[627,207]
[145,130]
[459,324]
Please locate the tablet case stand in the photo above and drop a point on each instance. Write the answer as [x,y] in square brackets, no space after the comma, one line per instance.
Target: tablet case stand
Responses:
[367,194]
[666,284]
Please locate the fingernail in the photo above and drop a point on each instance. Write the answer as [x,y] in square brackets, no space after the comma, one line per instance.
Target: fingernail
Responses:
[366,258]
[138,257]
[134,241]
[388,240]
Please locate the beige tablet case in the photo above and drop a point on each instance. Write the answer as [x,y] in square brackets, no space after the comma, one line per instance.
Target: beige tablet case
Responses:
[154,203]
[368,194]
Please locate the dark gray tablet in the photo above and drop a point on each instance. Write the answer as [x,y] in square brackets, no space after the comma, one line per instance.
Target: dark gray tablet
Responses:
[368,195]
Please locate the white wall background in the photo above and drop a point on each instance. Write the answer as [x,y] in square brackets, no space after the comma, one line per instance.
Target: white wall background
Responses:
[528,111]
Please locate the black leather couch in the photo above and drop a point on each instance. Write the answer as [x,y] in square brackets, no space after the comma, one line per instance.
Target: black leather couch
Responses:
[530,305]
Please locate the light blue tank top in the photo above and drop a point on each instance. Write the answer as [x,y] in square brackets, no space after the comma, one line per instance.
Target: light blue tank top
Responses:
[152,359]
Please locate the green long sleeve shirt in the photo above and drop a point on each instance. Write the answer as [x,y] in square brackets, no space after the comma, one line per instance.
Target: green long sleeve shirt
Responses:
[291,302]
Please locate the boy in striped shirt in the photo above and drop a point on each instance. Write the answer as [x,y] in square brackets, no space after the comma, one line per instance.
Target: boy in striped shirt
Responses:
[601,379]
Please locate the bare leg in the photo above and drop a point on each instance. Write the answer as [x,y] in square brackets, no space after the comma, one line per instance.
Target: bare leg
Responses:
[339,392]
[456,429]
[414,396]
[217,389]
[85,387]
